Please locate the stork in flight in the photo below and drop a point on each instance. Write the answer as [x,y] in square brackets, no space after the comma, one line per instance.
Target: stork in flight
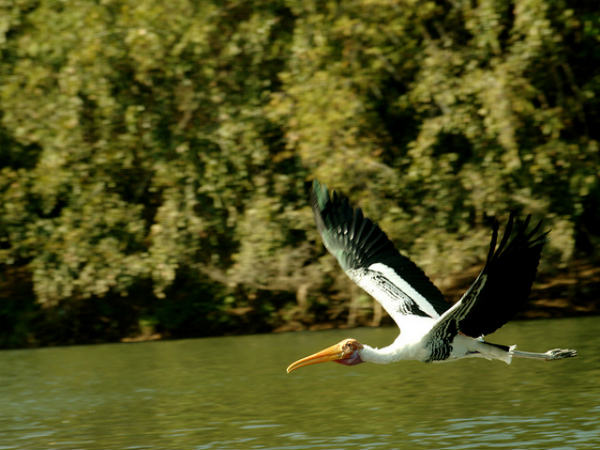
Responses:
[430,329]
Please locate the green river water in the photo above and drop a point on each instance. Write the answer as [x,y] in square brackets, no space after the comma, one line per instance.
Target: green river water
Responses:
[234,393]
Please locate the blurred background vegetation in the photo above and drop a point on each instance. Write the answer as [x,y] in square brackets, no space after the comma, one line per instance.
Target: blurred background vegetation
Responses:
[155,156]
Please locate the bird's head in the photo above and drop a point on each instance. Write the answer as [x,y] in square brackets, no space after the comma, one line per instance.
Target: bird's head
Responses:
[345,352]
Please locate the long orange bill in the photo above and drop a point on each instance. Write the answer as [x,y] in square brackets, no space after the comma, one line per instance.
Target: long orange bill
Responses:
[333,353]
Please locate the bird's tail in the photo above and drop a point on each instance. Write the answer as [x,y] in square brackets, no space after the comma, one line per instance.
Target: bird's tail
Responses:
[550,355]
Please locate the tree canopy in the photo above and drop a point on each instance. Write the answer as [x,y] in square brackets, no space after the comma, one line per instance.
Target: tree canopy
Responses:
[154,155]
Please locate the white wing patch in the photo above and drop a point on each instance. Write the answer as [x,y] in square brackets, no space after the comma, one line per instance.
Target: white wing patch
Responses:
[391,275]
[401,301]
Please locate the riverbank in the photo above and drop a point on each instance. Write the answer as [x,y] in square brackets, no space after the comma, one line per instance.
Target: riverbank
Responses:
[24,323]
[570,293]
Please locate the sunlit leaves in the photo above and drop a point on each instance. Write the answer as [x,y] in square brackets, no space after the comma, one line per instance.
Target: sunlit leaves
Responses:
[148,140]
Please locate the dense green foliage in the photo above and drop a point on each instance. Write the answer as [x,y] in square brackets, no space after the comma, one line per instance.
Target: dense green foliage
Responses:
[154,155]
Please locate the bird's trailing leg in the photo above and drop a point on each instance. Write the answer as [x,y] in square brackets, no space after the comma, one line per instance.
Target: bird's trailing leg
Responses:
[550,355]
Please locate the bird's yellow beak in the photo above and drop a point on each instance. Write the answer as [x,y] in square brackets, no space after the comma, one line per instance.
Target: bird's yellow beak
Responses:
[338,352]
[332,353]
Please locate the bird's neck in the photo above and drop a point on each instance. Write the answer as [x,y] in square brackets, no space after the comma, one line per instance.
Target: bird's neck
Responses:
[385,355]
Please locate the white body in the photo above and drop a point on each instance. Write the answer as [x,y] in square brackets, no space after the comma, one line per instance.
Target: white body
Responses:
[411,345]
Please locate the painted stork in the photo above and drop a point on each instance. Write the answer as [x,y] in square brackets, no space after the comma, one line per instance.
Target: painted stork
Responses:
[431,329]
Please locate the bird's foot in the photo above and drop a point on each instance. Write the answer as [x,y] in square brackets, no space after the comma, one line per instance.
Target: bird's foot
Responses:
[560,353]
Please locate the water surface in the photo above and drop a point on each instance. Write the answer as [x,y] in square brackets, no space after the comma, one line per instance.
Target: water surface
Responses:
[233,393]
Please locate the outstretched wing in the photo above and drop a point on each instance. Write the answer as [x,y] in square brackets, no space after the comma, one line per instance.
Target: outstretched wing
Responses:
[499,291]
[370,259]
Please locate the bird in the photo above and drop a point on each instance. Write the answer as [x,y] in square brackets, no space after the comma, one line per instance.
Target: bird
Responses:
[431,329]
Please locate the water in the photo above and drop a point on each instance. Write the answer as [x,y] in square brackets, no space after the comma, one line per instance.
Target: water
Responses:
[233,393]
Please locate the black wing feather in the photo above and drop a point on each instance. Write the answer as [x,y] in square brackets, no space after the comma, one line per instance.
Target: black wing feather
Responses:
[358,243]
[502,287]
[510,273]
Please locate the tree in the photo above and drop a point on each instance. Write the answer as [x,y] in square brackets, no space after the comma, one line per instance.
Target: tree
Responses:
[155,156]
